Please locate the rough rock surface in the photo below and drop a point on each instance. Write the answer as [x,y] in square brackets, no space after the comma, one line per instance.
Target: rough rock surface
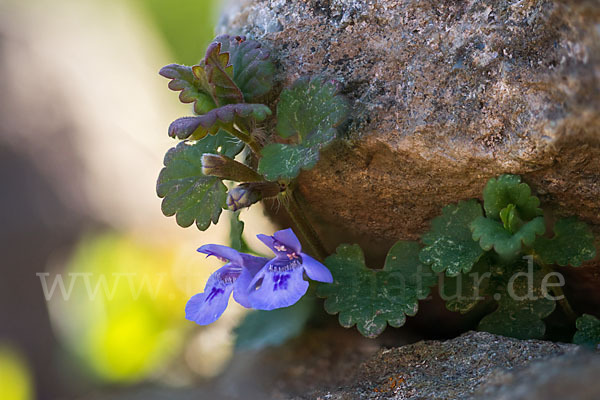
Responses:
[565,377]
[446,95]
[339,364]
[476,365]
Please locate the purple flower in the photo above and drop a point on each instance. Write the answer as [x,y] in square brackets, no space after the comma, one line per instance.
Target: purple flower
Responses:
[235,276]
[280,283]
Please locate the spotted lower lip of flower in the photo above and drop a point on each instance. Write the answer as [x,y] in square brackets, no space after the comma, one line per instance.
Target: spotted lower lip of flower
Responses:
[235,276]
[280,283]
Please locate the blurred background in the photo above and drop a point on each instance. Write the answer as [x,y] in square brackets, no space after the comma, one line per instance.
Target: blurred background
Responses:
[93,278]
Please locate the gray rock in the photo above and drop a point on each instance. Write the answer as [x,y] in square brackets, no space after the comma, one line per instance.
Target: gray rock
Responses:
[565,377]
[476,365]
[446,95]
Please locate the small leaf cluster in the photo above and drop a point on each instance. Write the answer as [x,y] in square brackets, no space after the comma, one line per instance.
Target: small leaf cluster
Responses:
[494,254]
[228,90]
[497,253]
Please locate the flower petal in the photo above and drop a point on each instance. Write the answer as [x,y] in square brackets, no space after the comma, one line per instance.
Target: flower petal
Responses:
[253,263]
[315,270]
[268,241]
[282,243]
[205,308]
[288,238]
[242,288]
[222,252]
[281,285]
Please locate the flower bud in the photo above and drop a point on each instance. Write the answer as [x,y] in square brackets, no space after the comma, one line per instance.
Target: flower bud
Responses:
[246,194]
[227,168]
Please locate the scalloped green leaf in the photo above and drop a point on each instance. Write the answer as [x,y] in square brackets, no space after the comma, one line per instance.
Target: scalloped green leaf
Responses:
[588,331]
[310,105]
[219,74]
[463,292]
[310,110]
[505,190]
[372,299]
[194,89]
[521,306]
[186,192]
[220,118]
[491,234]
[253,70]
[283,161]
[449,245]
[572,244]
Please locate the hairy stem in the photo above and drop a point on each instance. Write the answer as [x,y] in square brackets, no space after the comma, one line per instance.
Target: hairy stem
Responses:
[246,138]
[295,212]
[558,292]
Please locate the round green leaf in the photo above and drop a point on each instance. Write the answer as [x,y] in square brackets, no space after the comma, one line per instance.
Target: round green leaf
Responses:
[522,304]
[372,299]
[508,189]
[310,105]
[311,109]
[186,192]
[283,161]
[464,291]
[449,245]
[573,243]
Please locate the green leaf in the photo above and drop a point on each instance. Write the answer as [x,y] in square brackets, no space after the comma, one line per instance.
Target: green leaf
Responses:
[508,189]
[223,143]
[261,329]
[219,73]
[236,229]
[310,105]
[521,304]
[450,246]
[491,233]
[220,118]
[253,70]
[510,219]
[588,331]
[463,292]
[285,161]
[193,89]
[310,110]
[573,243]
[186,192]
[373,298]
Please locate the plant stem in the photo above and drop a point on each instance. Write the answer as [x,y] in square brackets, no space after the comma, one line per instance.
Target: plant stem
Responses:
[558,292]
[246,138]
[305,228]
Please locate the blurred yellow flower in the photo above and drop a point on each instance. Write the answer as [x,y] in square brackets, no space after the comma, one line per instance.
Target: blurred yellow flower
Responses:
[117,308]
[15,379]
